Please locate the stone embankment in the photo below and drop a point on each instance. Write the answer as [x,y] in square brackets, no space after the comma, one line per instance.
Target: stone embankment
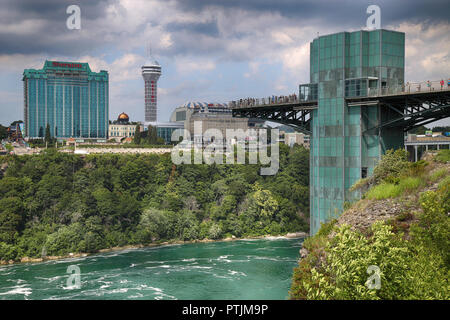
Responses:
[123,150]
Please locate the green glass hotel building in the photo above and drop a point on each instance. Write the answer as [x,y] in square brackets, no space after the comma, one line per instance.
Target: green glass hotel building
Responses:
[343,146]
[67,96]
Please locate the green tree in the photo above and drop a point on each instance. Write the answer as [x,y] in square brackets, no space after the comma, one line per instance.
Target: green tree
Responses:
[154,223]
[152,135]
[215,231]
[48,137]
[11,218]
[264,203]
[137,134]
[3,132]
[419,130]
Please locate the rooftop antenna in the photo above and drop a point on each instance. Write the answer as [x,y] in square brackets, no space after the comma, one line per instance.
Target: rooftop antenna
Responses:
[149,50]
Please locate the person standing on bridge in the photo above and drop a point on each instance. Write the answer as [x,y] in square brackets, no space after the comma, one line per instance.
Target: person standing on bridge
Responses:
[448,83]
[442,84]
[429,84]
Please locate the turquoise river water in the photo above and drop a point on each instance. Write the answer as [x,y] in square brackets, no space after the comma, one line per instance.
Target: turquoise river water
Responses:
[242,269]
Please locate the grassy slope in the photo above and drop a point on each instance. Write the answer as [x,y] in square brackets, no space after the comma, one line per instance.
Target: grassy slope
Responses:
[410,238]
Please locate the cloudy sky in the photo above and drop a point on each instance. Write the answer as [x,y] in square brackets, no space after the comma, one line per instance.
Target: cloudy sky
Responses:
[209,50]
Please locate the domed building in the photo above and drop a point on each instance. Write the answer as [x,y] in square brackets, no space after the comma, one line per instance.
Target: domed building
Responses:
[123,118]
[122,128]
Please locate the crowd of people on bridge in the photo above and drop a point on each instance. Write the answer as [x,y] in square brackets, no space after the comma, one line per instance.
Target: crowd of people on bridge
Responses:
[406,88]
[251,102]
[429,85]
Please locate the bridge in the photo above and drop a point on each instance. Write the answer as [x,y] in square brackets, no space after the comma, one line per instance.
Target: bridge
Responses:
[407,106]
[357,106]
[384,115]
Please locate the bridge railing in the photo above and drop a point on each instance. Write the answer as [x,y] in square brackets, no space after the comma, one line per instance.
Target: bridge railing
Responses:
[409,87]
[255,102]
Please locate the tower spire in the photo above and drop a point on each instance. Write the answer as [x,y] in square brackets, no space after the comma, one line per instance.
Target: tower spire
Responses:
[151,71]
[149,50]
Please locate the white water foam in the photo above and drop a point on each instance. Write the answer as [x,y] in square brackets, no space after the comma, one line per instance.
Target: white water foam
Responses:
[20,289]
[239,273]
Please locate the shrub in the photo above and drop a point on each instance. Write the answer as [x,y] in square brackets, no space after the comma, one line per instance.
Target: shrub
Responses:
[67,239]
[383,191]
[438,174]
[417,168]
[390,165]
[215,231]
[388,170]
[115,238]
[409,183]
[433,228]
[8,252]
[154,223]
[443,156]
[445,183]
[390,190]
[326,228]
[349,254]
[408,270]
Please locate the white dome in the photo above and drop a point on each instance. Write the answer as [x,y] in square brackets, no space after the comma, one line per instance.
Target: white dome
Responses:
[151,62]
[196,104]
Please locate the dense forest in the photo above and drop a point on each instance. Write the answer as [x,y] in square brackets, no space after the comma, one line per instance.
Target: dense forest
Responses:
[57,203]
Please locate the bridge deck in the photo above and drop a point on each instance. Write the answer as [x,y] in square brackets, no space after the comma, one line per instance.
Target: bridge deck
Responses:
[409,106]
[410,90]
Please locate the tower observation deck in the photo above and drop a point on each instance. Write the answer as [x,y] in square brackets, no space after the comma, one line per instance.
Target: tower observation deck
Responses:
[151,71]
[355,108]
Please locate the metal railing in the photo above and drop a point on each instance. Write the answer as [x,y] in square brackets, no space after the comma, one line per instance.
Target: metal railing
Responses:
[410,87]
[255,102]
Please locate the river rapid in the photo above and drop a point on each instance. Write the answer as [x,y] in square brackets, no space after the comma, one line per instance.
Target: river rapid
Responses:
[241,269]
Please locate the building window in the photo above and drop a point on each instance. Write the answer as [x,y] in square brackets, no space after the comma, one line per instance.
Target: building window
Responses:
[364,172]
[181,116]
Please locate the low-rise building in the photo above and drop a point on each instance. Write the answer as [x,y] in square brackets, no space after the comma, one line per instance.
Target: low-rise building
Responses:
[299,138]
[198,117]
[122,128]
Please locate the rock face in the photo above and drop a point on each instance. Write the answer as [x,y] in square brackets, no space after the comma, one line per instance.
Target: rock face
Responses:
[303,253]
[364,213]
[297,235]
[27,259]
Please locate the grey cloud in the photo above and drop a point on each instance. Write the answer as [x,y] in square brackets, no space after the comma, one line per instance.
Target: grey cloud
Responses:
[206,28]
[51,35]
[27,44]
[197,38]
[54,10]
[343,12]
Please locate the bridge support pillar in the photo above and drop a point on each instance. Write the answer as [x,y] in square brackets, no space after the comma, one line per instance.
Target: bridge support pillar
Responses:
[415,153]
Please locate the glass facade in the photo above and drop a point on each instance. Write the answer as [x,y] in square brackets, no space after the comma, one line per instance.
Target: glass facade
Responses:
[67,96]
[342,149]
[166,129]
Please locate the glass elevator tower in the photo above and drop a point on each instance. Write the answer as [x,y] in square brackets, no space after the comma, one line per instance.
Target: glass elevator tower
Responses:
[343,149]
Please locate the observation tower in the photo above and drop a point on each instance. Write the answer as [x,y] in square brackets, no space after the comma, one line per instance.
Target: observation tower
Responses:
[151,71]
